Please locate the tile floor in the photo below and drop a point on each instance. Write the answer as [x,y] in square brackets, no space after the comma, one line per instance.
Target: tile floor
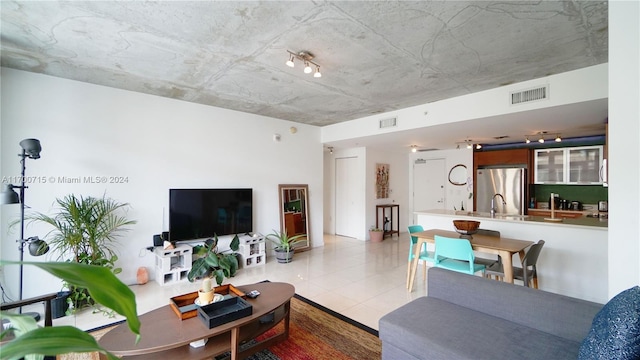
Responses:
[359,279]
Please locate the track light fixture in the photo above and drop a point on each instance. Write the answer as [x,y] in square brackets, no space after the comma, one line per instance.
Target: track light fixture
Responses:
[526,140]
[478,146]
[469,144]
[414,148]
[290,62]
[558,138]
[330,149]
[541,140]
[305,57]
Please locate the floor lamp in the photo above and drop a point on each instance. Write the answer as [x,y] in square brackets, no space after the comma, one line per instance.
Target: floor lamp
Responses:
[30,149]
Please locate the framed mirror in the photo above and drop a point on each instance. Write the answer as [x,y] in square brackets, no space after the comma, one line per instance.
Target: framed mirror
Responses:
[294,212]
[458,175]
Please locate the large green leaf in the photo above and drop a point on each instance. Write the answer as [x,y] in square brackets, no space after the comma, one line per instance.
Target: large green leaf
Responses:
[52,341]
[104,287]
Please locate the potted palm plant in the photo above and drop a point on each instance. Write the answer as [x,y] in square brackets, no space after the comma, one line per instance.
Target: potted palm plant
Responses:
[85,230]
[284,244]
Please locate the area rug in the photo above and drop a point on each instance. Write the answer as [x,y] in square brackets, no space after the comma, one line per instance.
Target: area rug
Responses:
[316,333]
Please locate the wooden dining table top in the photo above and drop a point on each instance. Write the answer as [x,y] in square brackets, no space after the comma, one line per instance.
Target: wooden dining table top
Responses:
[485,242]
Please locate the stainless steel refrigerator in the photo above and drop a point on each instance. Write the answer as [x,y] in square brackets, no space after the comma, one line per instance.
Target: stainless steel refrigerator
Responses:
[508,182]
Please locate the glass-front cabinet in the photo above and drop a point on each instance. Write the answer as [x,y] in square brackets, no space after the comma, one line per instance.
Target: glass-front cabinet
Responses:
[585,165]
[576,165]
[549,166]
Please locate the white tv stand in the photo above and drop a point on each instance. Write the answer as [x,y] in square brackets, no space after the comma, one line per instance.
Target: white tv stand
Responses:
[252,250]
[173,265]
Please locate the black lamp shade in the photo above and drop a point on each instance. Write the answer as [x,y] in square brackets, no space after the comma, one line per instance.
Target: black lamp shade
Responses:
[31,148]
[38,247]
[8,195]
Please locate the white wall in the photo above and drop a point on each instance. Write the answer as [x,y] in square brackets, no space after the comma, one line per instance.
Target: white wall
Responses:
[398,188]
[624,148]
[454,195]
[157,144]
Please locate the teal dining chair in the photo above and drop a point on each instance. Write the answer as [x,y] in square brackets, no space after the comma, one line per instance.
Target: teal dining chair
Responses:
[456,254]
[425,255]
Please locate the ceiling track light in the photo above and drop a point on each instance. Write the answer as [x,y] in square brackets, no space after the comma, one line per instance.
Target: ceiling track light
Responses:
[414,148]
[290,62]
[541,140]
[526,140]
[305,57]
[478,146]
[558,138]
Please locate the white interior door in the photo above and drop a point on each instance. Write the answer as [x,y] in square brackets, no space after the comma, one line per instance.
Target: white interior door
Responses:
[429,178]
[346,189]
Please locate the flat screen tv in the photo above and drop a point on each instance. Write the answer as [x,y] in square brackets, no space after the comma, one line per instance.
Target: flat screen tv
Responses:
[202,213]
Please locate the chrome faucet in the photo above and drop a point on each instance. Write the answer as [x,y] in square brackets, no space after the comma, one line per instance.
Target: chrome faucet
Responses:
[493,207]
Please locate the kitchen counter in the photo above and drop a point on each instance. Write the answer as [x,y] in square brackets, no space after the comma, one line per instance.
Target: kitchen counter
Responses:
[573,261]
[579,221]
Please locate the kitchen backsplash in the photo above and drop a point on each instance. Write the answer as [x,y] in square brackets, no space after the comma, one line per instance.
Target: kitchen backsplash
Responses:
[587,194]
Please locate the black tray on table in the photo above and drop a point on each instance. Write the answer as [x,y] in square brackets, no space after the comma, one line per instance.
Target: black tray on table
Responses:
[224,311]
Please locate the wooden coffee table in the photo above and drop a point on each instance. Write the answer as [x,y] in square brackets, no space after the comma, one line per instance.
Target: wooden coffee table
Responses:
[166,336]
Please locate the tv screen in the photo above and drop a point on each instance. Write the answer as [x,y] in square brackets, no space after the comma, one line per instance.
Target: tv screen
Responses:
[201,213]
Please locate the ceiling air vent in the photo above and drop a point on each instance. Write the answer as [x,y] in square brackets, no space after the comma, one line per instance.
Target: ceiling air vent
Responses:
[525,96]
[390,122]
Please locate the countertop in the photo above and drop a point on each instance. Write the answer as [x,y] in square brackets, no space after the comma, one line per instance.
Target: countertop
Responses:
[581,221]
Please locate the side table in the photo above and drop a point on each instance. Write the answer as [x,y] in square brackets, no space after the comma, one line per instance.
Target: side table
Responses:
[394,222]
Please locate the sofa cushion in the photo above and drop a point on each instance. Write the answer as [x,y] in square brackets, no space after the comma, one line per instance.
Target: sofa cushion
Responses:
[615,331]
[431,328]
[555,314]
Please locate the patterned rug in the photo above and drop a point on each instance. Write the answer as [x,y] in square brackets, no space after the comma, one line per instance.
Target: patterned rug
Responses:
[316,333]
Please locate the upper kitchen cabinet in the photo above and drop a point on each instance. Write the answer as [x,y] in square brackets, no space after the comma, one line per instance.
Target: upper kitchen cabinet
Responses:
[549,165]
[576,165]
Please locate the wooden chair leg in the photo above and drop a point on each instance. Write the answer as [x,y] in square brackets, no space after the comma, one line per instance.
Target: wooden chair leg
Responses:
[408,272]
[424,270]
[534,282]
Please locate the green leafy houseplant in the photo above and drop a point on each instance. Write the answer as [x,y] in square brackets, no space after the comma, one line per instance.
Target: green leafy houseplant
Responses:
[284,244]
[213,263]
[85,230]
[32,342]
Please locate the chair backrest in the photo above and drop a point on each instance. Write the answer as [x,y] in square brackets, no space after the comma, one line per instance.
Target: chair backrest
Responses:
[488,232]
[531,257]
[452,248]
[414,229]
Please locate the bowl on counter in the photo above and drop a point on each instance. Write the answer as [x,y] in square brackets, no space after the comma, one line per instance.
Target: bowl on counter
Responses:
[466,227]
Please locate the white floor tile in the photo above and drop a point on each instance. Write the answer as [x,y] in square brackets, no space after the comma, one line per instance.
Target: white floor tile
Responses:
[359,279]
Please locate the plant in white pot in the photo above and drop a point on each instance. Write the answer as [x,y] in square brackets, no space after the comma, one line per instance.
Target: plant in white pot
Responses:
[284,244]
[205,293]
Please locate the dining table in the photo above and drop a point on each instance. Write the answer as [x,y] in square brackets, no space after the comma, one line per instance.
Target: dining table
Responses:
[501,246]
